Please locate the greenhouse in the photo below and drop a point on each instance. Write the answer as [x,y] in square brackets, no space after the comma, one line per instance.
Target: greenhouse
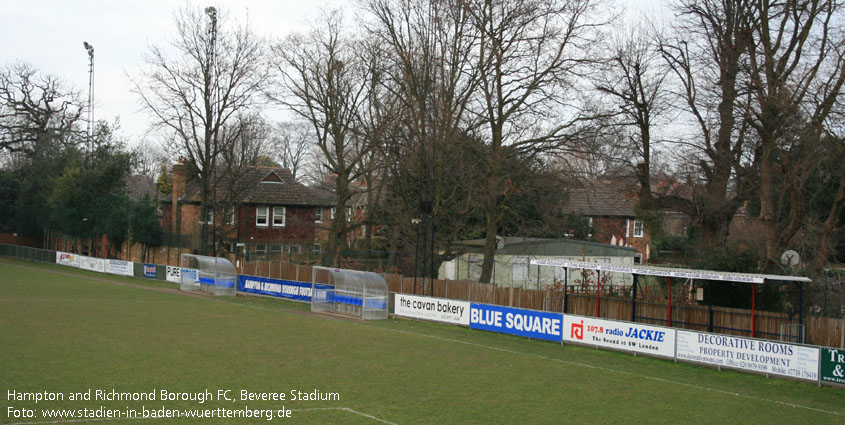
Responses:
[208,274]
[351,292]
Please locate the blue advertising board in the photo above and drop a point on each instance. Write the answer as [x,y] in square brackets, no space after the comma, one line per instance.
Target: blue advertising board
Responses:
[516,321]
[218,282]
[150,271]
[276,287]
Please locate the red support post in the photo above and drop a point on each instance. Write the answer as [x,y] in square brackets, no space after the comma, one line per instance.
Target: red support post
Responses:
[753,308]
[598,290]
[670,302]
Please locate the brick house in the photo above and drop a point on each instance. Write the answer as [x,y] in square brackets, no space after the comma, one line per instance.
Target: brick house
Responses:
[609,205]
[262,210]
[356,208]
[611,214]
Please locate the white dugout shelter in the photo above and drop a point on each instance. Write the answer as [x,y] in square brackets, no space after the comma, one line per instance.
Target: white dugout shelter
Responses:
[208,274]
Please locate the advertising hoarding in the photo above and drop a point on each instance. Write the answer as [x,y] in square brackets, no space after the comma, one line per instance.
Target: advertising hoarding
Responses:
[191,275]
[833,365]
[435,309]
[299,291]
[174,274]
[67,259]
[150,271]
[516,321]
[796,361]
[119,267]
[635,337]
[91,263]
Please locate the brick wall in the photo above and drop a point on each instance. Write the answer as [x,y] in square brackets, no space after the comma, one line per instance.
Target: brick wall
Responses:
[618,231]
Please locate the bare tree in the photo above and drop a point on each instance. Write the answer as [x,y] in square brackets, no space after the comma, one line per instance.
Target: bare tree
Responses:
[429,76]
[36,109]
[529,53]
[149,159]
[634,80]
[243,141]
[705,54]
[216,70]
[797,71]
[290,145]
[325,83]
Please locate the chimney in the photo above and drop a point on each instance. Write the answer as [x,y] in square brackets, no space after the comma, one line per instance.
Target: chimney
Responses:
[179,172]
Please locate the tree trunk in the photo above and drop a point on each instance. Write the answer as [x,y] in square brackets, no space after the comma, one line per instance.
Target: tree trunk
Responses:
[826,242]
[491,215]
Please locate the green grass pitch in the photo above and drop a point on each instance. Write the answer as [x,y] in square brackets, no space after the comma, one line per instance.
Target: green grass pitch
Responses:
[67,331]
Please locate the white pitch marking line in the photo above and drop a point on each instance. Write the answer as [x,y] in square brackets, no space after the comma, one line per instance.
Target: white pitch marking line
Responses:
[653,378]
[782,403]
[346,409]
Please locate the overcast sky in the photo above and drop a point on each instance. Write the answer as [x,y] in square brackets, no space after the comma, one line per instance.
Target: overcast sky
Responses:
[48,34]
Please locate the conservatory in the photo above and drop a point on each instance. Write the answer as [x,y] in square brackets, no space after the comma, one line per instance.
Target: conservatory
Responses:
[351,292]
[208,274]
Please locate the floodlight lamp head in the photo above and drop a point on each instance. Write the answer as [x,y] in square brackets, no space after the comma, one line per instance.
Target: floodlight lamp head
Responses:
[89,48]
[211,11]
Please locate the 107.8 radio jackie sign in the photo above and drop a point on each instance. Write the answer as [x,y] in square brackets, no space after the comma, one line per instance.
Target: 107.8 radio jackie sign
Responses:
[634,337]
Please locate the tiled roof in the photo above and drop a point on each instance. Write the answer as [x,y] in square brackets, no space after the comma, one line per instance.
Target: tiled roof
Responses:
[600,199]
[138,186]
[266,185]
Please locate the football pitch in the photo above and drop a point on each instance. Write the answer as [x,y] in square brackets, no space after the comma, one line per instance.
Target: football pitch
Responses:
[81,347]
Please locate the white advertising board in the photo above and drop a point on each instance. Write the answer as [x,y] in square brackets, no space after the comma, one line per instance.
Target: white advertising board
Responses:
[436,309]
[653,340]
[67,259]
[796,361]
[119,267]
[174,274]
[92,263]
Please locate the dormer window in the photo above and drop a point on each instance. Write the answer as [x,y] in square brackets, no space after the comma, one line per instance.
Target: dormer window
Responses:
[272,178]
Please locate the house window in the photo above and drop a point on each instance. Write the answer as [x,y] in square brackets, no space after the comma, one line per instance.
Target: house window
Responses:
[638,258]
[318,215]
[261,216]
[230,216]
[261,247]
[638,228]
[276,248]
[209,215]
[348,214]
[279,216]
[334,210]
[316,249]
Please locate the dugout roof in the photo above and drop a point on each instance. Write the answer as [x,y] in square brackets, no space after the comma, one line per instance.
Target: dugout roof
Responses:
[669,271]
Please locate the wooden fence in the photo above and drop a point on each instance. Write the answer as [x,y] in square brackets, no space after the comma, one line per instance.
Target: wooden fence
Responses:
[824,331]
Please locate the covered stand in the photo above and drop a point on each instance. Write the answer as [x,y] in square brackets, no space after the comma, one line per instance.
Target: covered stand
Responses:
[753,279]
[357,293]
[208,274]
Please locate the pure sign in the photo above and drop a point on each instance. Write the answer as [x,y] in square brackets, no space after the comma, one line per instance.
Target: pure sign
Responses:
[833,365]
